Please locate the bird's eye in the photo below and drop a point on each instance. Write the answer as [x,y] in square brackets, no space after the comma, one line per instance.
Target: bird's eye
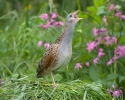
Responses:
[70,16]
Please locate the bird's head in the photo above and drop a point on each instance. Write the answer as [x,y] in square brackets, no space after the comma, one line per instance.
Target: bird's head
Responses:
[72,18]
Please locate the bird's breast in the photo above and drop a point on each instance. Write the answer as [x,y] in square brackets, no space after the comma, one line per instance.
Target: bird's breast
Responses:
[64,56]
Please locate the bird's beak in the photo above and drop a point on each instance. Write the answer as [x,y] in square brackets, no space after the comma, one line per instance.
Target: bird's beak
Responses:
[75,15]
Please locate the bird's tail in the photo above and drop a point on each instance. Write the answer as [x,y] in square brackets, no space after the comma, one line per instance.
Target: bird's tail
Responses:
[39,74]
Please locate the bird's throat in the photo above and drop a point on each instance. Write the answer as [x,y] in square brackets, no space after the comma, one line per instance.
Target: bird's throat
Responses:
[67,38]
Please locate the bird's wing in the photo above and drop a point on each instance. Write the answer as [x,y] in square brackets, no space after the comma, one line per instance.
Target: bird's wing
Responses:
[47,59]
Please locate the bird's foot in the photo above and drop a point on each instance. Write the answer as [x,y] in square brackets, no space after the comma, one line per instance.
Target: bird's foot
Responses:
[55,85]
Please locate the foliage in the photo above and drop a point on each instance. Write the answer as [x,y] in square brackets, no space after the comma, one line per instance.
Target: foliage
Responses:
[73,90]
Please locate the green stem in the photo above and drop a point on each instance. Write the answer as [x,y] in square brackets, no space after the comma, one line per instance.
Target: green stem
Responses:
[78,4]
[115,70]
[6,68]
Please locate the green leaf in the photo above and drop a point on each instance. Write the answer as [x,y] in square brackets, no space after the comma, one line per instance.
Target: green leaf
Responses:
[121,78]
[15,76]
[111,77]
[98,90]
[101,10]
[94,74]
[92,9]
[98,3]
[117,7]
[1,90]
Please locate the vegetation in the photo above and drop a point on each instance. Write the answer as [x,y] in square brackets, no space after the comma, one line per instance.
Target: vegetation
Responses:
[73,90]
[19,51]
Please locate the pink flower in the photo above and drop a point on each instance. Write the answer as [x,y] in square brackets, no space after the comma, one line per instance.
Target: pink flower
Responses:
[113,86]
[95,31]
[44,16]
[103,30]
[117,93]
[110,40]
[87,64]
[78,65]
[52,22]
[99,40]
[123,17]
[46,45]
[44,26]
[58,24]
[100,53]
[54,15]
[95,61]
[111,7]
[105,20]
[107,38]
[114,58]
[91,46]
[109,62]
[120,51]
[118,14]
[110,91]
[39,43]
[114,39]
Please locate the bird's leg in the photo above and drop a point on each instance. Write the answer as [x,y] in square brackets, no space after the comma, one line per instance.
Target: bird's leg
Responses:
[52,76]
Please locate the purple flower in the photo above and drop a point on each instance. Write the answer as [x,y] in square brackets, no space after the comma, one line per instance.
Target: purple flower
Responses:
[109,62]
[114,39]
[110,91]
[110,40]
[99,40]
[95,31]
[57,24]
[46,45]
[105,20]
[114,58]
[103,30]
[44,26]
[87,64]
[44,16]
[100,53]
[91,46]
[117,93]
[78,65]
[39,43]
[118,14]
[54,15]
[52,22]
[120,51]
[123,17]
[111,7]
[113,86]
[95,61]
[60,23]
[107,38]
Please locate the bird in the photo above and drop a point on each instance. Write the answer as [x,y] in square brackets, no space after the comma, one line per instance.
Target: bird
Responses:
[60,52]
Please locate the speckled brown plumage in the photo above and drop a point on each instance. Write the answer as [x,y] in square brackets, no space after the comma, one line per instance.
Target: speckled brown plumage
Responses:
[49,60]
[50,57]
[59,39]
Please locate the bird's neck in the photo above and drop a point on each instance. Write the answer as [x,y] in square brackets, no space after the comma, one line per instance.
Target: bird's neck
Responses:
[67,39]
[66,36]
